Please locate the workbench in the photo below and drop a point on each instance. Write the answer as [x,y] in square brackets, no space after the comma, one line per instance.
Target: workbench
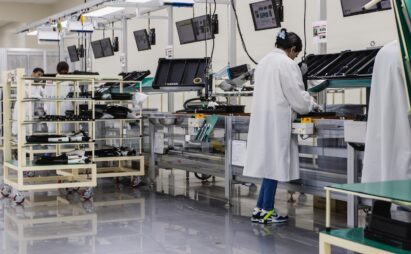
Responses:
[397,192]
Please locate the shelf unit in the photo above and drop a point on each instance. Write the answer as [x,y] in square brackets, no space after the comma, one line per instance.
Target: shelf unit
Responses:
[14,170]
[72,175]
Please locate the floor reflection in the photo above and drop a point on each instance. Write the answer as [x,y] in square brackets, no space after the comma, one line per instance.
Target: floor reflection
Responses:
[179,217]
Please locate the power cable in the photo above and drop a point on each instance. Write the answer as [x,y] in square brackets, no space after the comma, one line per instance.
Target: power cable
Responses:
[240,33]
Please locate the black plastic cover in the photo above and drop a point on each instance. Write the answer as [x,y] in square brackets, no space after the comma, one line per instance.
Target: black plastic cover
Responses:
[180,72]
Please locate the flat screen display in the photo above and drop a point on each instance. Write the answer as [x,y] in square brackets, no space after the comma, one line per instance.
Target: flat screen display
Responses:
[107,47]
[97,49]
[355,7]
[142,40]
[203,28]
[265,16]
[72,50]
[185,31]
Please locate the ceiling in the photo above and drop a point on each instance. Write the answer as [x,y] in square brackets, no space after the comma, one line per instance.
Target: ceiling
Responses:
[31,1]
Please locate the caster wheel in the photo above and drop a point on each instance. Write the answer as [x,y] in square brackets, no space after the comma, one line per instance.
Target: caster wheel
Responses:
[19,199]
[88,194]
[252,188]
[202,177]
[30,174]
[5,191]
[88,206]
[137,182]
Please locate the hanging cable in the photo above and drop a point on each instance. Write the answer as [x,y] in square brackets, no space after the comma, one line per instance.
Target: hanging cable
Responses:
[305,30]
[212,28]
[240,33]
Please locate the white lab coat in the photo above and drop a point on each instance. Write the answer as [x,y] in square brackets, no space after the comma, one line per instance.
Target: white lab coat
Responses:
[388,139]
[272,152]
[51,91]
[35,92]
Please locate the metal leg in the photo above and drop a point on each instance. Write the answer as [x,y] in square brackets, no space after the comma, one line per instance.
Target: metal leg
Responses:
[328,210]
[352,176]
[228,170]
[325,248]
[152,163]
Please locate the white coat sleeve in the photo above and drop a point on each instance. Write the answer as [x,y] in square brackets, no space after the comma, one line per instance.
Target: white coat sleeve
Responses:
[293,88]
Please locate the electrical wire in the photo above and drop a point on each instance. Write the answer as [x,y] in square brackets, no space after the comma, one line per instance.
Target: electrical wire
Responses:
[212,28]
[240,33]
[305,30]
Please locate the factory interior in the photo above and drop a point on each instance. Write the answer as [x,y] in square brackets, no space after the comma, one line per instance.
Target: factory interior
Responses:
[205,126]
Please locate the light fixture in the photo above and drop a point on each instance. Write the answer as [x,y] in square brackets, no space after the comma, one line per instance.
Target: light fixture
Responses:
[138,1]
[33,33]
[104,11]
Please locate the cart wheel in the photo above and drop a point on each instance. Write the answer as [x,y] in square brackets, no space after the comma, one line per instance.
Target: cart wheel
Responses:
[19,198]
[137,181]
[252,188]
[30,174]
[88,194]
[5,191]
[88,206]
[202,177]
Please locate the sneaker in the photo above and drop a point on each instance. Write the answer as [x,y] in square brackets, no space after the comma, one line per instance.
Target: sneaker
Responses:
[256,217]
[271,217]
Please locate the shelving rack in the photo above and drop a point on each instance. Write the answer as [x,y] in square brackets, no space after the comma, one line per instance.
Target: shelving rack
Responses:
[15,171]
[71,175]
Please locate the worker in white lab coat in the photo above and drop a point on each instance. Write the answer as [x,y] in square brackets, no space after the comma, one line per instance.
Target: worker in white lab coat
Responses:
[62,69]
[38,108]
[272,152]
[387,145]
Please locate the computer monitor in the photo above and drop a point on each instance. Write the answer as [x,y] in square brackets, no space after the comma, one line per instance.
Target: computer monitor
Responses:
[107,47]
[202,26]
[97,49]
[265,16]
[185,31]
[142,40]
[355,7]
[73,54]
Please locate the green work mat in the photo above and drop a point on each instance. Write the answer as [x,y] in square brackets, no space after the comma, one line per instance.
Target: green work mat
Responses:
[356,235]
[394,190]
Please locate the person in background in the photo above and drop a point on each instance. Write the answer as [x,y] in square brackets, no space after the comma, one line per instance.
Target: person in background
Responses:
[62,69]
[272,152]
[387,154]
[38,107]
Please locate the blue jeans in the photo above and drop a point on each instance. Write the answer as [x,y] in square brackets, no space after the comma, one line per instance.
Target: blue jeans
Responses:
[267,194]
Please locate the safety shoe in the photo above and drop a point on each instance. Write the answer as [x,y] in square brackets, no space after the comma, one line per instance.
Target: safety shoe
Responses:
[256,217]
[271,217]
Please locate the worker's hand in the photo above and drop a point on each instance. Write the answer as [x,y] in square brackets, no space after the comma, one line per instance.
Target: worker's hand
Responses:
[318,108]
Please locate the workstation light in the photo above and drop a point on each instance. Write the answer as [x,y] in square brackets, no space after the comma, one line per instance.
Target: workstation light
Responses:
[163,2]
[33,33]
[103,11]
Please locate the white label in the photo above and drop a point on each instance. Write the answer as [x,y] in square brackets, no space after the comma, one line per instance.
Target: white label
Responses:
[239,152]
[320,31]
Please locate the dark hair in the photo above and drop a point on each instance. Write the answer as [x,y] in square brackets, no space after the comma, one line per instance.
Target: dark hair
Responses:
[62,67]
[287,40]
[35,70]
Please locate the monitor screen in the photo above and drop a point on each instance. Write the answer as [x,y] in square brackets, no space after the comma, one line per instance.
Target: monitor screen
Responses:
[72,50]
[203,28]
[142,40]
[107,47]
[185,31]
[97,49]
[265,16]
[355,7]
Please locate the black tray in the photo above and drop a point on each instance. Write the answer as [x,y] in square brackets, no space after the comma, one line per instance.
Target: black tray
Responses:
[180,72]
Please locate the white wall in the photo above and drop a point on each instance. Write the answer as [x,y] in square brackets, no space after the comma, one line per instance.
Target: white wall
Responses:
[344,33]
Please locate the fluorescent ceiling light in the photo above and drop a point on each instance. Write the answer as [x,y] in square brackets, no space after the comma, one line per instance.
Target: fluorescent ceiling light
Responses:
[104,11]
[33,33]
[138,1]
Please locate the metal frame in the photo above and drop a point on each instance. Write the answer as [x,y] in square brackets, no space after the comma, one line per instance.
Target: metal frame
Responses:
[326,241]
[74,172]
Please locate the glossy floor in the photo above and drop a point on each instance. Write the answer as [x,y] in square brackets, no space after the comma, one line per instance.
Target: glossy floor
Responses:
[178,217]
